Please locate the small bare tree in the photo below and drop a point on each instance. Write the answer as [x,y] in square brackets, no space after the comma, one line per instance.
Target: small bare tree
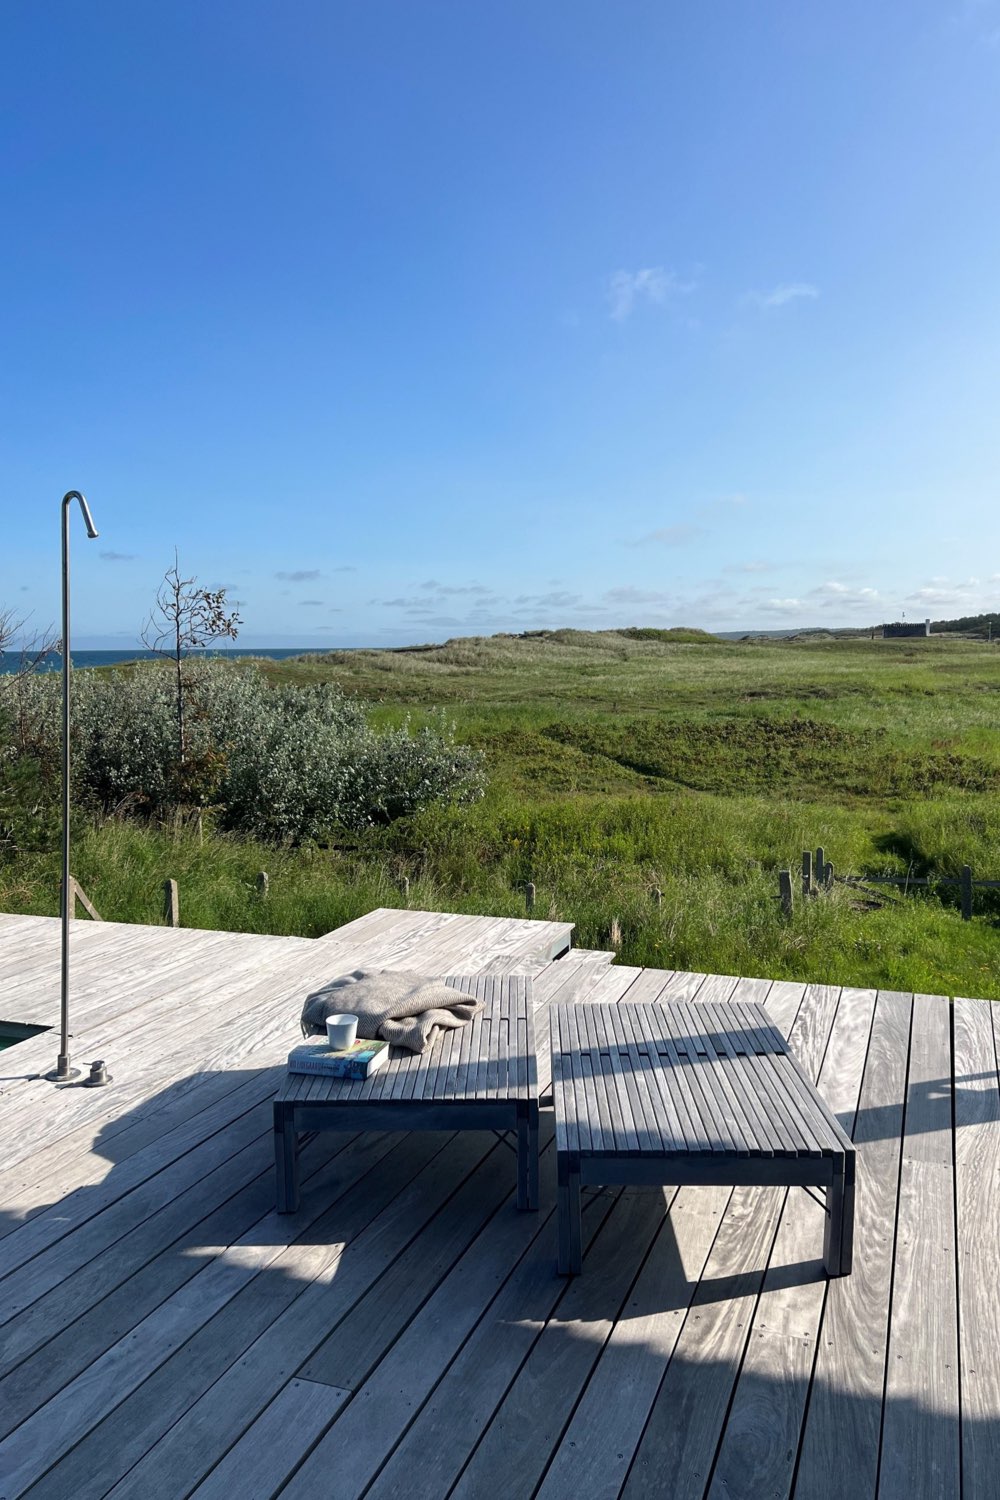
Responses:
[30,648]
[186,618]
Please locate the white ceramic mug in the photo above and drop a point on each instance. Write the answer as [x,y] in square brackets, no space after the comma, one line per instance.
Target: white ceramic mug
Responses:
[341,1032]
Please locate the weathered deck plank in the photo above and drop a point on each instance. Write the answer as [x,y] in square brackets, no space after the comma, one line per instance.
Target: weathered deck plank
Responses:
[700,1378]
[760,1442]
[977,1167]
[840,1448]
[166,1333]
[920,1434]
[256,1466]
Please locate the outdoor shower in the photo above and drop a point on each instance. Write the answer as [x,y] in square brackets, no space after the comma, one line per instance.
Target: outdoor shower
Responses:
[63,1072]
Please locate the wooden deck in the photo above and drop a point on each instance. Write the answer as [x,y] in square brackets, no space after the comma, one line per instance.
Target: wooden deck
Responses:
[164,1333]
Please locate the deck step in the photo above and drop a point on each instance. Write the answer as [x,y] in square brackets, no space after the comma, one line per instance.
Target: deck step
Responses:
[506,944]
[589,958]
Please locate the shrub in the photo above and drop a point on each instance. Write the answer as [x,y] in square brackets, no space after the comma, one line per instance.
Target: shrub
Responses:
[276,762]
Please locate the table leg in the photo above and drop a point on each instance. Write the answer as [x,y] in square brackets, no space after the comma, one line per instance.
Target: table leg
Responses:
[286,1160]
[838,1240]
[527,1153]
[570,1224]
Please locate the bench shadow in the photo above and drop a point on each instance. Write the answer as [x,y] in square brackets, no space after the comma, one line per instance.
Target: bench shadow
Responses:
[367,1194]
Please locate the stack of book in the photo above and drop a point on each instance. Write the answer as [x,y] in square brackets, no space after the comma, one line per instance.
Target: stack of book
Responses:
[358,1062]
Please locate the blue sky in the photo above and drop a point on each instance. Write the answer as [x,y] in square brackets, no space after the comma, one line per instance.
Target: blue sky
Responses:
[404,320]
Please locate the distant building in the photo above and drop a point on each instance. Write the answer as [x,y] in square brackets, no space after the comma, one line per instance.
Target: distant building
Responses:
[904,627]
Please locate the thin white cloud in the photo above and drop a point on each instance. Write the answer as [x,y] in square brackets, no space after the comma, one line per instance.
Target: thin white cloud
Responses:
[934,596]
[630,595]
[785,292]
[836,595]
[559,600]
[447,590]
[652,284]
[300,575]
[722,504]
[782,606]
[670,536]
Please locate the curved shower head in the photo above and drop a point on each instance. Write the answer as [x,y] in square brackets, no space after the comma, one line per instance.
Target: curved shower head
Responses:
[88,519]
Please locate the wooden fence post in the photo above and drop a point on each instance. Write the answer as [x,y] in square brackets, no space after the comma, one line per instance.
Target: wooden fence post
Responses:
[820,865]
[829,875]
[404,887]
[785,889]
[529,897]
[171,904]
[807,873]
[263,885]
[966,893]
[76,893]
[657,895]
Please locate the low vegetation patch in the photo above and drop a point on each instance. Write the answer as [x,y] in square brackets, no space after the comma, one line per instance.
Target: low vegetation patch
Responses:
[761,754]
[278,763]
[600,766]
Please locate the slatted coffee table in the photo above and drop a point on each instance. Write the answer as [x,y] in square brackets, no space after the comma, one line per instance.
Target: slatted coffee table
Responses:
[689,1093]
[481,1076]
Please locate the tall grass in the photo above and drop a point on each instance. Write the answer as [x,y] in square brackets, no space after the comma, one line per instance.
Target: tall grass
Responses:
[714,862]
[714,807]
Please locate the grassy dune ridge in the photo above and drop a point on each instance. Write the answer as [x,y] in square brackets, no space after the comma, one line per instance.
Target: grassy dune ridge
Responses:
[623,761]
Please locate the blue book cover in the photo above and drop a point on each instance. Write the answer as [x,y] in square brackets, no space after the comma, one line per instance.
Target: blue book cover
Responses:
[358,1062]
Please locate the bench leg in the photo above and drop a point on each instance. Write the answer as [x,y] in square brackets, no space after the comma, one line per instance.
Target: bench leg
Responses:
[527,1154]
[286,1159]
[570,1225]
[838,1239]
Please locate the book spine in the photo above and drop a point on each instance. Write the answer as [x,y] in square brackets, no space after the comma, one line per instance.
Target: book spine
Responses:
[356,1072]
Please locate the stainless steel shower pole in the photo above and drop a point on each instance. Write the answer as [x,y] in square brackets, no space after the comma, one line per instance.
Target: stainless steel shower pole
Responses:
[63,1072]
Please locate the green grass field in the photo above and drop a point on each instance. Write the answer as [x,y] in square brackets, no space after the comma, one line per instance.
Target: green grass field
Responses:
[621,764]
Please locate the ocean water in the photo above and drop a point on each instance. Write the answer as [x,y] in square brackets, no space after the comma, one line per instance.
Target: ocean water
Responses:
[10,660]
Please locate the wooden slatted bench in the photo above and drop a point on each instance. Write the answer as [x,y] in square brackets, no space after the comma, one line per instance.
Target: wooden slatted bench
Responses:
[481,1076]
[690,1093]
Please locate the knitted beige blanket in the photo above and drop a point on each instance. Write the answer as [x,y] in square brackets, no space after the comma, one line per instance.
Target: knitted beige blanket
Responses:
[406,1010]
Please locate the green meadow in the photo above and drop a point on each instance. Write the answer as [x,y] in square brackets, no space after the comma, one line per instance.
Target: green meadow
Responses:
[621,764]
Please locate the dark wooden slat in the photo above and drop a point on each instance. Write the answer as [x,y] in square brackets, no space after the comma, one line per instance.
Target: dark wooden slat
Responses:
[745,1098]
[761,1099]
[659,1104]
[751,1133]
[675,1101]
[677,1074]
[690,1067]
[650,1135]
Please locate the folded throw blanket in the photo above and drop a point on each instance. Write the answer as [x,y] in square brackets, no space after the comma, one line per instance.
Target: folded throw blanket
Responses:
[406,1010]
